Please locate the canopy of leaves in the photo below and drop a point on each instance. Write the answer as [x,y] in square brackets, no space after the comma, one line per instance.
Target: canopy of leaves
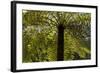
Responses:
[40,35]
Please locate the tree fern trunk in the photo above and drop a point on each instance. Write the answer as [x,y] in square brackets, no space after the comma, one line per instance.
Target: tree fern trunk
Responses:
[60,48]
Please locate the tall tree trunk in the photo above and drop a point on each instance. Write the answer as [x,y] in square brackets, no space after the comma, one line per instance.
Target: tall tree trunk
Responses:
[60,48]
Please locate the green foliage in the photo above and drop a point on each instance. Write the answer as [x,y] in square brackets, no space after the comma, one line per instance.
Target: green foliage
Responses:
[40,35]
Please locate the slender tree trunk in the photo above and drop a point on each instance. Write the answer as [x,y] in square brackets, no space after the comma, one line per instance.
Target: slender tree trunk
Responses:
[60,48]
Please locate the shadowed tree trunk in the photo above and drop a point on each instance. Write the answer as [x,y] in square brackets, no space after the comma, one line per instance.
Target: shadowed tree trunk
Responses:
[60,48]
